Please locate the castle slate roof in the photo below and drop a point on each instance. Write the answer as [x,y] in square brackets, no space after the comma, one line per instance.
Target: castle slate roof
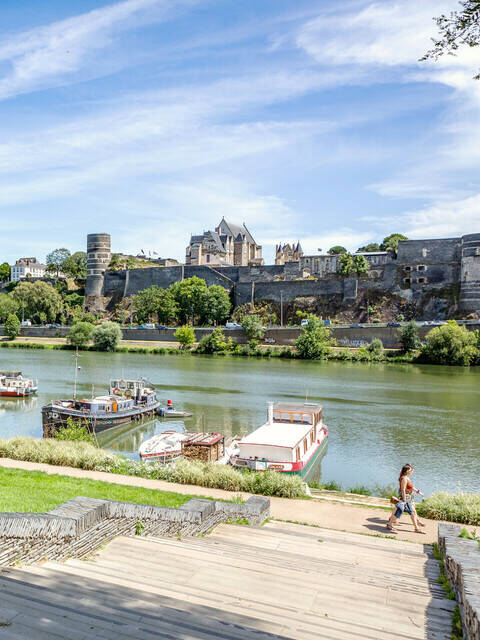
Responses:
[216,238]
[237,230]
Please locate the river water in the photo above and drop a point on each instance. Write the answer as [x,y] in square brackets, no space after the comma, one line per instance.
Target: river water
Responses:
[379,416]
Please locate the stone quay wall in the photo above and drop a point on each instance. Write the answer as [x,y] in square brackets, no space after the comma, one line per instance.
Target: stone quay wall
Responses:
[462,568]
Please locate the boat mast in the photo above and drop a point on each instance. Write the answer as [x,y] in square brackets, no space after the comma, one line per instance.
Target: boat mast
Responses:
[76,375]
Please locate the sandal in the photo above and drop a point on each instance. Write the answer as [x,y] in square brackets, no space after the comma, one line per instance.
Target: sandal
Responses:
[421,524]
[390,528]
[420,531]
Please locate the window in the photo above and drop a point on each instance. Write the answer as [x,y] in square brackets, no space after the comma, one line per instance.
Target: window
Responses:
[421,280]
[297,453]
[408,268]
[305,445]
[407,281]
[421,267]
[208,257]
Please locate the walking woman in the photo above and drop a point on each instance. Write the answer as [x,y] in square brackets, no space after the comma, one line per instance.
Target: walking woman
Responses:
[406,502]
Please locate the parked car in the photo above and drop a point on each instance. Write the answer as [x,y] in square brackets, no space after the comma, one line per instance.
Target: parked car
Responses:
[270,340]
[26,323]
[161,327]
[53,325]
[303,322]
[394,324]
[147,325]
[233,325]
[355,325]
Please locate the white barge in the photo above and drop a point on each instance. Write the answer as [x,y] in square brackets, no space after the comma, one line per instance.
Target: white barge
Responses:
[291,441]
[14,385]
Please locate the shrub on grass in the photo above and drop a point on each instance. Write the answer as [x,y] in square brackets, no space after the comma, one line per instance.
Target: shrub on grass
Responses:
[185,336]
[375,347]
[76,432]
[451,344]
[214,342]
[458,507]
[409,338]
[80,334]
[106,336]
[315,341]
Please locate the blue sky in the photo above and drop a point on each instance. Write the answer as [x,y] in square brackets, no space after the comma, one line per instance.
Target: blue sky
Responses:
[307,120]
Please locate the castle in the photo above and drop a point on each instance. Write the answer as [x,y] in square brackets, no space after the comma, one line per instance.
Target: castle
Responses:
[439,276]
[229,244]
[288,253]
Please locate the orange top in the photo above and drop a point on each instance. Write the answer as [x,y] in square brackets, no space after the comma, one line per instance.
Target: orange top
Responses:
[408,487]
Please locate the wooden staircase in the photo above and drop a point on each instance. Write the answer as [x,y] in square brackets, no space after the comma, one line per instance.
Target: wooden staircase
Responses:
[277,581]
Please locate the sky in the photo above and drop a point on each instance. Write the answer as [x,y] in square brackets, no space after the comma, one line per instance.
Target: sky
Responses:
[307,120]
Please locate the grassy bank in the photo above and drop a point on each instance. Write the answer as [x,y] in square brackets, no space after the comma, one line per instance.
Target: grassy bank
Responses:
[35,491]
[83,455]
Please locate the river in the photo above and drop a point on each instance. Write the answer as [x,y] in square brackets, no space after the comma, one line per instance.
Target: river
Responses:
[379,416]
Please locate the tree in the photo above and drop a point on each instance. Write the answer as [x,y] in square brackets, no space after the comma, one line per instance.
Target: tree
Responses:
[185,336]
[315,341]
[106,336]
[409,338]
[75,265]
[214,305]
[375,347]
[459,28]
[56,260]
[390,243]
[80,334]
[451,344]
[369,248]
[155,304]
[4,272]
[360,265]
[346,265]
[188,295]
[8,305]
[253,328]
[12,326]
[214,342]
[337,250]
[38,301]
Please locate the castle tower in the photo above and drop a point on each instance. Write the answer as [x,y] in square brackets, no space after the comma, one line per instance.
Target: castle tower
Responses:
[470,273]
[98,258]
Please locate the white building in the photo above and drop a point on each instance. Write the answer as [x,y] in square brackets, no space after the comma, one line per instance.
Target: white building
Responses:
[27,267]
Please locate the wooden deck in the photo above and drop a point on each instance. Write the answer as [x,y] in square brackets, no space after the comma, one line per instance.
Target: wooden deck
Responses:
[277,581]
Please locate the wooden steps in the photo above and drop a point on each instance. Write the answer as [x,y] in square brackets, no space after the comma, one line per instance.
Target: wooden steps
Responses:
[277,581]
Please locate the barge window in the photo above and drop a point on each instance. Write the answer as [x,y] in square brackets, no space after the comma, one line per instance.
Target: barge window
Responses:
[305,446]
[297,452]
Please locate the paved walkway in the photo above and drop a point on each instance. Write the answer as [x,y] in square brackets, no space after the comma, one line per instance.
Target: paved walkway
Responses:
[323,513]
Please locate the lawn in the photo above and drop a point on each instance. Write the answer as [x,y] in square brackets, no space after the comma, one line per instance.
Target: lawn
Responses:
[36,491]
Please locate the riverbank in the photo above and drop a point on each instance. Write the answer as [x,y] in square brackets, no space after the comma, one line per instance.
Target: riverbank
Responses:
[328,514]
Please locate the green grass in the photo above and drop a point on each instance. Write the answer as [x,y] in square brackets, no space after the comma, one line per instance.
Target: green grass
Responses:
[37,492]
[457,507]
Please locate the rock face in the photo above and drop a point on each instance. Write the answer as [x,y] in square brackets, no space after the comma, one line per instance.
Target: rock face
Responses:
[443,273]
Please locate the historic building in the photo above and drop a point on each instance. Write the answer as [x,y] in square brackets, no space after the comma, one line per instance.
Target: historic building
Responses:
[27,268]
[326,264]
[288,253]
[229,244]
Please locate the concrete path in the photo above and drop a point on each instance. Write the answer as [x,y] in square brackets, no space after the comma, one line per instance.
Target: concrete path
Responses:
[272,582]
[324,513]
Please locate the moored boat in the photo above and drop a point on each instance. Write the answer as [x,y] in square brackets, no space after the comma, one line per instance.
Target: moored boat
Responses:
[291,441]
[127,400]
[170,412]
[165,447]
[14,385]
[172,445]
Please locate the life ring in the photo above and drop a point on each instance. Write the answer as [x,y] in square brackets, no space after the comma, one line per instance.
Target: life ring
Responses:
[128,393]
[117,392]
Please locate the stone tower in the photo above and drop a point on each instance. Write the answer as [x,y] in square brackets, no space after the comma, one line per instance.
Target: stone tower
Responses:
[98,258]
[470,273]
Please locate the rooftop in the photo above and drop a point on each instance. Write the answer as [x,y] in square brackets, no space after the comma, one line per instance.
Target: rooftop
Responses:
[278,434]
[300,407]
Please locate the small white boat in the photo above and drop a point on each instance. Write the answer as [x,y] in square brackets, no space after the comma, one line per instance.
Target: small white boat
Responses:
[170,412]
[14,385]
[166,446]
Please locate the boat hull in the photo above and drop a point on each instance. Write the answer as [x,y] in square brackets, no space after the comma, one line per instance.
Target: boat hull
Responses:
[55,418]
[20,394]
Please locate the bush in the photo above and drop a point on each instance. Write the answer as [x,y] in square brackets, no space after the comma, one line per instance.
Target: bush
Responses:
[253,328]
[214,342]
[458,507]
[315,341]
[375,347]
[185,336]
[76,432]
[80,334]
[452,345]
[409,338]
[107,336]
[12,326]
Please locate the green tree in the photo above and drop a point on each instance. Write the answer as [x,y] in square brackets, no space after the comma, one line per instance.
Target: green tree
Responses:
[38,300]
[369,248]
[8,305]
[337,250]
[75,266]
[185,335]
[4,272]
[409,338]
[12,326]
[56,260]
[188,295]
[451,344]
[390,243]
[214,305]
[346,265]
[80,334]
[360,265]
[253,328]
[459,28]
[315,341]
[214,342]
[375,347]
[155,304]
[106,336]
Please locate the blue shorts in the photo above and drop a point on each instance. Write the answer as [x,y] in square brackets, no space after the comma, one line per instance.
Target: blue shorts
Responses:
[401,507]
